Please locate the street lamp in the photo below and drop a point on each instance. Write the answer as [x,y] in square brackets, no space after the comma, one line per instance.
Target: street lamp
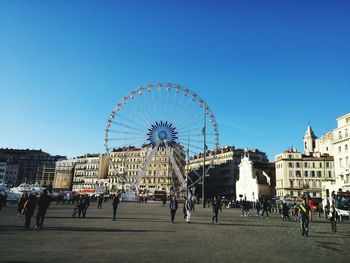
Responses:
[204,150]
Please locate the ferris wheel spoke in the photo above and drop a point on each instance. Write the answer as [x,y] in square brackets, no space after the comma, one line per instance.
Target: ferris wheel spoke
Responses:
[122,132]
[142,118]
[130,121]
[135,143]
[192,145]
[125,138]
[126,126]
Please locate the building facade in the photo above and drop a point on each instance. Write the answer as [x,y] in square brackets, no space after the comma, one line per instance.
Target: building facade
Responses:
[46,178]
[223,173]
[30,163]
[256,180]
[88,169]
[2,172]
[11,174]
[64,173]
[338,141]
[125,164]
[297,173]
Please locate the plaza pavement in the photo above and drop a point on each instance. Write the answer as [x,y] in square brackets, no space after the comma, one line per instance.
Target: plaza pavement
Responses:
[143,233]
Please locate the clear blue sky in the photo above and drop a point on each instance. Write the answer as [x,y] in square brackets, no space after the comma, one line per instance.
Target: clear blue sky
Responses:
[266,68]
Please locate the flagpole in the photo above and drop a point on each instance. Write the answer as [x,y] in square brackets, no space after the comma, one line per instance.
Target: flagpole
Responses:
[204,151]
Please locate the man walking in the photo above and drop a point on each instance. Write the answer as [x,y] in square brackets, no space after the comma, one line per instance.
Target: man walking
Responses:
[333,218]
[216,206]
[188,209]
[173,207]
[43,203]
[115,204]
[28,210]
[265,209]
[304,219]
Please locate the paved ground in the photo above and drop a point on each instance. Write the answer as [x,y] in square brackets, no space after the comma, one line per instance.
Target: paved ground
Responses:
[143,233]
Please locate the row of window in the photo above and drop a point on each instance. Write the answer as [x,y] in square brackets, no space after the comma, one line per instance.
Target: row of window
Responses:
[319,174]
[341,164]
[346,148]
[346,134]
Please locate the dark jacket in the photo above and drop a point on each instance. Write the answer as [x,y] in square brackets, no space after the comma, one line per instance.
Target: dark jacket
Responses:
[29,207]
[44,201]
[172,204]
[115,202]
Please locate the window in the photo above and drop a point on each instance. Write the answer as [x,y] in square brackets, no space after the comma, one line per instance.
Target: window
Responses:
[339,135]
[339,149]
[297,165]
[305,165]
[346,132]
[297,173]
[306,173]
[290,173]
[346,161]
[329,174]
[320,165]
[346,147]
[327,164]
[340,162]
[290,165]
[319,174]
[312,173]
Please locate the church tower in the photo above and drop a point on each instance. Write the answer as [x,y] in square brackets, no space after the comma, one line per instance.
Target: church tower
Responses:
[309,141]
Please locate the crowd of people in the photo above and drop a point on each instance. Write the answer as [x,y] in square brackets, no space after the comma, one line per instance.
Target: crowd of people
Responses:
[29,203]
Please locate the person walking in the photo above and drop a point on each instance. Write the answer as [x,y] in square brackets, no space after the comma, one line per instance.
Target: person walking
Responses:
[164,199]
[304,218]
[333,218]
[21,202]
[265,209]
[173,207]
[257,207]
[100,201]
[80,206]
[188,209]
[28,210]
[115,203]
[43,203]
[216,206]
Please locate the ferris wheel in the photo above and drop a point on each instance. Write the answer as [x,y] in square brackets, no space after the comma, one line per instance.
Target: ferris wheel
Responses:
[163,117]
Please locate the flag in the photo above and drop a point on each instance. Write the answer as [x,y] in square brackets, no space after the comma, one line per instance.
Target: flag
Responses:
[268,179]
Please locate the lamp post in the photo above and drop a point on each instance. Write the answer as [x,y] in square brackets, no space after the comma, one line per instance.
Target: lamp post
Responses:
[204,150]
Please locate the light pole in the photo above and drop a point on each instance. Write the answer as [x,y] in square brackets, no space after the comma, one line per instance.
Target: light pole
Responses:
[204,150]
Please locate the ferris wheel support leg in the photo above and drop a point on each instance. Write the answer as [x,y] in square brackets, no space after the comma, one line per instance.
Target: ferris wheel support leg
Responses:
[144,167]
[176,168]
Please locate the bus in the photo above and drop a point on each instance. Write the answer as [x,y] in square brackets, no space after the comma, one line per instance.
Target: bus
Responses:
[341,202]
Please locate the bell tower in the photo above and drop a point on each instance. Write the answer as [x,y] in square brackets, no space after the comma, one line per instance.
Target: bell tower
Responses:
[309,141]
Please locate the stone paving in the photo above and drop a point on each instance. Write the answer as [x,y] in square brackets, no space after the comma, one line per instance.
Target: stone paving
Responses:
[144,233]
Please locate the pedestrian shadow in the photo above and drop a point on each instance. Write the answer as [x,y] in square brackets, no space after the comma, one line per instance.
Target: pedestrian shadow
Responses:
[80,229]
[76,217]
[329,246]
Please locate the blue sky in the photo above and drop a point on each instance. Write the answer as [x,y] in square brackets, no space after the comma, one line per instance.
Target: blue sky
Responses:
[266,68]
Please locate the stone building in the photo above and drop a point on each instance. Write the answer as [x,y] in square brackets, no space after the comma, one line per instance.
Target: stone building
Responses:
[125,163]
[223,173]
[256,180]
[299,173]
[88,169]
[64,173]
